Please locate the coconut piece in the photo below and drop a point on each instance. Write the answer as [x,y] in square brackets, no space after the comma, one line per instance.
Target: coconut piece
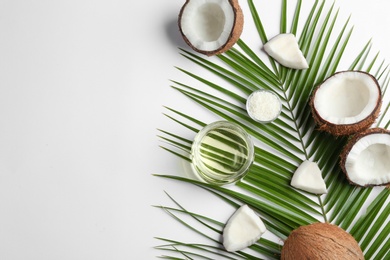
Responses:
[211,26]
[346,103]
[243,229]
[285,50]
[308,177]
[321,241]
[366,158]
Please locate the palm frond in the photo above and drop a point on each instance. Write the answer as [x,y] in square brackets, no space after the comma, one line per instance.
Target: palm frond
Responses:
[283,144]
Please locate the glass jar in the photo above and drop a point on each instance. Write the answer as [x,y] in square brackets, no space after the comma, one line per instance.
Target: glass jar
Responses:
[222,153]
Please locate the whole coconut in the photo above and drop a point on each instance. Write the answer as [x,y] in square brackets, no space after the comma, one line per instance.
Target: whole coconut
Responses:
[321,241]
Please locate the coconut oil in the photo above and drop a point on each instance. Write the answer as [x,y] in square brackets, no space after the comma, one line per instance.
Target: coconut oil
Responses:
[222,153]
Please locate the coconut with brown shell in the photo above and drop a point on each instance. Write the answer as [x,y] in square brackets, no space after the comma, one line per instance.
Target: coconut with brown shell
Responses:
[346,103]
[211,27]
[321,241]
[366,158]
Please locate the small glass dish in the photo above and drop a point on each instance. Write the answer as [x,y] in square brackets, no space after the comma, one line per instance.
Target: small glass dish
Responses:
[222,153]
[263,106]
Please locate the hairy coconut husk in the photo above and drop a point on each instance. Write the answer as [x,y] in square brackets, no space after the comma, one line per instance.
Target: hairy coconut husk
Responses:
[351,142]
[235,34]
[345,129]
[321,241]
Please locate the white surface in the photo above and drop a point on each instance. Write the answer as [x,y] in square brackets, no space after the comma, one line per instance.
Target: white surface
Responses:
[82,89]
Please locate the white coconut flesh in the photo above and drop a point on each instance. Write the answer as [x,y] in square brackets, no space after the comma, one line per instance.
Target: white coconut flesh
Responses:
[347,98]
[285,50]
[243,229]
[368,162]
[308,177]
[207,24]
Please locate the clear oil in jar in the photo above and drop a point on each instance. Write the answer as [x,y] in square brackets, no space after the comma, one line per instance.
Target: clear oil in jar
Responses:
[222,153]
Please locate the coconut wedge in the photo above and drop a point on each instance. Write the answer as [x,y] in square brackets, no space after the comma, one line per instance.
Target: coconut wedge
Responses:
[308,178]
[243,229]
[346,103]
[285,50]
[366,158]
[211,26]
[321,241]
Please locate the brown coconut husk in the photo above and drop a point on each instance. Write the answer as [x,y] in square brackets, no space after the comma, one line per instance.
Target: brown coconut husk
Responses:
[351,142]
[345,129]
[321,241]
[235,34]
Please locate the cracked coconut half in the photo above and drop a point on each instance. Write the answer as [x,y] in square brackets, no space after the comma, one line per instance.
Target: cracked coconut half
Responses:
[366,158]
[211,26]
[346,103]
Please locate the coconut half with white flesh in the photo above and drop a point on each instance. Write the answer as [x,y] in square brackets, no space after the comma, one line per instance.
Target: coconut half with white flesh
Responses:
[211,26]
[346,103]
[366,158]
[243,229]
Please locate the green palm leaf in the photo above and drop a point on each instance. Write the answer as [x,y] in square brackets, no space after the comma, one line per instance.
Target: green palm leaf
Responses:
[282,145]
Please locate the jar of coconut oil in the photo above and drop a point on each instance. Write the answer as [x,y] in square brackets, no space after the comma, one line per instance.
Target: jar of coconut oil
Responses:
[222,153]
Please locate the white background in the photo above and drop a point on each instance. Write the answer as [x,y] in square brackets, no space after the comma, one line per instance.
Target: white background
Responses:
[82,89]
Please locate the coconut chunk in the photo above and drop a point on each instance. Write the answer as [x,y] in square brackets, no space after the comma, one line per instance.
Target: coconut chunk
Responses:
[211,26]
[366,158]
[308,177]
[243,229]
[285,50]
[346,103]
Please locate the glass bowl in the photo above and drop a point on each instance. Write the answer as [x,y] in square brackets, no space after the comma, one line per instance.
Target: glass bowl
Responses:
[263,106]
[222,153]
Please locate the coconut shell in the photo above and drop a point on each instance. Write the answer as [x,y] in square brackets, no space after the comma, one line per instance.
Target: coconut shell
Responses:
[345,129]
[238,25]
[321,241]
[351,142]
